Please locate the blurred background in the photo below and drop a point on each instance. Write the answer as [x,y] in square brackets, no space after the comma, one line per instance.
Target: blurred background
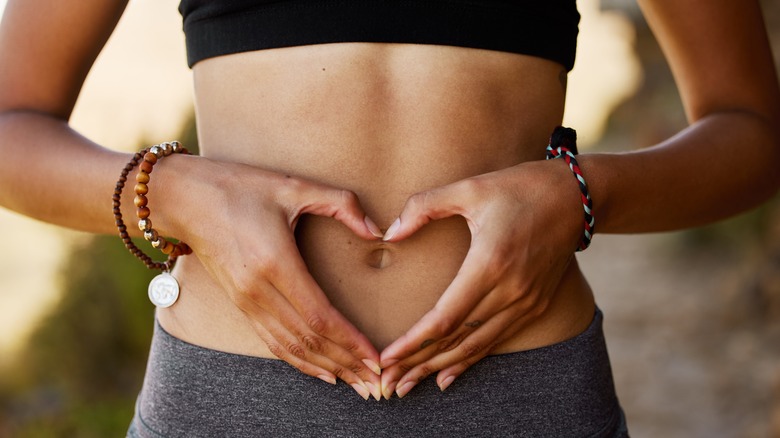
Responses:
[692,318]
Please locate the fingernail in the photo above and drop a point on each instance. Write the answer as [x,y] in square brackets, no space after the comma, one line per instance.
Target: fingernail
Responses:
[373,366]
[404,389]
[329,379]
[388,363]
[391,231]
[446,383]
[386,391]
[372,227]
[375,392]
[362,390]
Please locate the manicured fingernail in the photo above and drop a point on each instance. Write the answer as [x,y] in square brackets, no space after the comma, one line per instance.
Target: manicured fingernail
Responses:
[373,366]
[446,383]
[404,389]
[372,227]
[362,390]
[375,392]
[389,362]
[391,231]
[329,379]
[386,391]
[388,388]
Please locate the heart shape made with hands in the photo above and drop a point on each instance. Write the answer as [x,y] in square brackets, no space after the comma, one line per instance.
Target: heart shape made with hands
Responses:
[383,287]
[401,278]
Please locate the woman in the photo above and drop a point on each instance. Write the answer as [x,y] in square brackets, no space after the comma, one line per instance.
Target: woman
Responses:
[372,204]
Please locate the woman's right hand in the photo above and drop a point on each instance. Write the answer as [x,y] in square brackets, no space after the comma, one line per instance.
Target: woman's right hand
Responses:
[240,220]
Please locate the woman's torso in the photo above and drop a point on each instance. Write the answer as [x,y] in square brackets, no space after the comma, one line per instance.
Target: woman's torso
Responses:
[385,121]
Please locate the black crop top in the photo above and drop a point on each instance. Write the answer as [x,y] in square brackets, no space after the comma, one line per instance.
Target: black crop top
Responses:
[544,28]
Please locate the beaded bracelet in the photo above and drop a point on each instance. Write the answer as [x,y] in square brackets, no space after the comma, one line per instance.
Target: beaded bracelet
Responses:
[563,143]
[163,289]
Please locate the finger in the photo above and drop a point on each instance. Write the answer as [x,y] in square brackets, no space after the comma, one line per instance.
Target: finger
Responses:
[450,372]
[424,207]
[296,284]
[393,373]
[404,377]
[474,321]
[308,345]
[511,293]
[309,354]
[342,205]
[273,343]
[473,348]
[467,341]
[470,286]
[284,289]
[471,299]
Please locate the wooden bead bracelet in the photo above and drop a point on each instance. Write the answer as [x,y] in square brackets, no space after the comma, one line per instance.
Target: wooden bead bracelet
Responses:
[161,289]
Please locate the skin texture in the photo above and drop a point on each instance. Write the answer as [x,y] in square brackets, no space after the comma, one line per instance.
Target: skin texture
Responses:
[441,147]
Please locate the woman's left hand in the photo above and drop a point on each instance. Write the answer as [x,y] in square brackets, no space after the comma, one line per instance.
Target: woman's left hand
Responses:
[525,223]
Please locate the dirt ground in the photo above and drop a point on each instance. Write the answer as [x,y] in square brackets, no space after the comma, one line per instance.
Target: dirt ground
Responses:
[694,352]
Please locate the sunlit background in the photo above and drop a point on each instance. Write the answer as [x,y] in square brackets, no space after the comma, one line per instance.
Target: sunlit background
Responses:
[688,314]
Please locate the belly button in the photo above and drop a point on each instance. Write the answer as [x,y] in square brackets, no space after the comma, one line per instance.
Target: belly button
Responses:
[379,258]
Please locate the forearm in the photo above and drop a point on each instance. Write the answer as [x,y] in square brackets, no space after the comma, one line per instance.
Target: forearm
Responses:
[723,164]
[51,173]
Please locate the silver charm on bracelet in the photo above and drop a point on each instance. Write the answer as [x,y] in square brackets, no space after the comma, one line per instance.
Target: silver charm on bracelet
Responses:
[163,290]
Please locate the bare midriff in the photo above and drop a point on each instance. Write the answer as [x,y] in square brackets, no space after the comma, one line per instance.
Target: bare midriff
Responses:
[385,121]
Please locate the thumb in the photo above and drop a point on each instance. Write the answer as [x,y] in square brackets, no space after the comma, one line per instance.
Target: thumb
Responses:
[422,208]
[344,206]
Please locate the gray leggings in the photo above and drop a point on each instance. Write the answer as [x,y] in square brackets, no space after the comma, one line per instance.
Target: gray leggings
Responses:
[564,390]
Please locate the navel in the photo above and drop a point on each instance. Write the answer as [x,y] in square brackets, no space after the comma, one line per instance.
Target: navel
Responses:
[379,258]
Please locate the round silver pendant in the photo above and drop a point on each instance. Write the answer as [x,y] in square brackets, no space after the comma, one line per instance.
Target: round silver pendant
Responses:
[163,290]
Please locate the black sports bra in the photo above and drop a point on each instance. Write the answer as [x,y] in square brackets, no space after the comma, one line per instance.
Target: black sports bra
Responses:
[544,28]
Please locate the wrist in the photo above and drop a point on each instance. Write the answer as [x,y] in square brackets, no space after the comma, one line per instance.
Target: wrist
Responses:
[599,169]
[564,193]
[563,146]
[171,186]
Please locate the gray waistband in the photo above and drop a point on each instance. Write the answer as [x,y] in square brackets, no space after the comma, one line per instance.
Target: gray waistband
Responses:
[564,390]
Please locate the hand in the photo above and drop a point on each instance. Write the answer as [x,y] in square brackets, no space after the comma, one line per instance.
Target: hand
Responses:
[241,228]
[525,224]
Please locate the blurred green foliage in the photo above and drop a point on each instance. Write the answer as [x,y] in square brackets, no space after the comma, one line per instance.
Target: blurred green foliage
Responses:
[81,369]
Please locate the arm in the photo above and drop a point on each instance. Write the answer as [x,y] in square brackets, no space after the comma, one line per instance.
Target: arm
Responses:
[47,168]
[50,172]
[722,164]
[725,161]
